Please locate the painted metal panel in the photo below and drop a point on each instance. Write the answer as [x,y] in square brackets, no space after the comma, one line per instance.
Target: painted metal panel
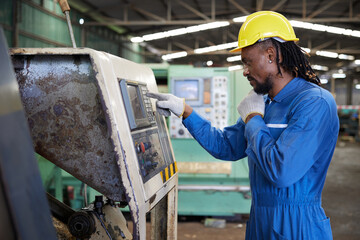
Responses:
[68,124]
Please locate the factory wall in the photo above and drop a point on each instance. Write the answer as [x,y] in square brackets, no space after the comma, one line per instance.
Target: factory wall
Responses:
[41,23]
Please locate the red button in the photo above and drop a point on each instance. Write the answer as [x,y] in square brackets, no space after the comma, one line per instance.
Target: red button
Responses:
[142,146]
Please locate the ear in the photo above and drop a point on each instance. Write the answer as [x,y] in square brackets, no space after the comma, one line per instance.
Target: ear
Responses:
[271,54]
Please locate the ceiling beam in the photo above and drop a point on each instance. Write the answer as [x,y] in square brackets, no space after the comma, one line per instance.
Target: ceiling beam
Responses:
[278,5]
[239,7]
[232,36]
[193,10]
[324,45]
[113,22]
[322,9]
[259,5]
[116,22]
[304,8]
[146,13]
[182,46]
[169,11]
[213,9]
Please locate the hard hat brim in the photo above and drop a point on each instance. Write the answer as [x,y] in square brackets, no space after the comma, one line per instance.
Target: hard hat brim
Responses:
[238,49]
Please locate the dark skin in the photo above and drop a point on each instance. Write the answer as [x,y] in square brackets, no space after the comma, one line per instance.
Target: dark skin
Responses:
[259,64]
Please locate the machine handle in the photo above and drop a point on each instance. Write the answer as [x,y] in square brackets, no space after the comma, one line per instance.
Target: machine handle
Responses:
[64,5]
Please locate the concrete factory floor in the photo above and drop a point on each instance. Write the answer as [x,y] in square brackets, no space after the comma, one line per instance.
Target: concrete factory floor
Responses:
[341,201]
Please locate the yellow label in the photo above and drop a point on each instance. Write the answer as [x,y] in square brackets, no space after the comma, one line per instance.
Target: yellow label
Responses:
[166,174]
[162,176]
[171,170]
[176,168]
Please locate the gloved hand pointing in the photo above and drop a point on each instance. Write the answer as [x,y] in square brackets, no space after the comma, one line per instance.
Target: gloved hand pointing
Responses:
[167,102]
[252,103]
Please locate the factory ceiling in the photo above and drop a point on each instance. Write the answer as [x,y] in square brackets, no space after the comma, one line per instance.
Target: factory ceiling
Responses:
[138,18]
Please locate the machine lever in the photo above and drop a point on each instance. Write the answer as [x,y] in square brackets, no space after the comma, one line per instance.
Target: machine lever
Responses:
[65,8]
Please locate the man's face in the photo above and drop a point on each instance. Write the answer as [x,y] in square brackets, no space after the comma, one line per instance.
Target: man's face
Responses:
[257,68]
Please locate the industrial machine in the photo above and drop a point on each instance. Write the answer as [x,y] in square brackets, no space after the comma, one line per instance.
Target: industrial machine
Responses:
[88,114]
[207,186]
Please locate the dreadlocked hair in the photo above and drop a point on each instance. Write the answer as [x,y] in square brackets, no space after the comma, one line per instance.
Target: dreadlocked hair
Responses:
[294,59]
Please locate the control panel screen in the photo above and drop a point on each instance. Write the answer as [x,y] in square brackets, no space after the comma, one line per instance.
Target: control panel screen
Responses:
[188,89]
[135,102]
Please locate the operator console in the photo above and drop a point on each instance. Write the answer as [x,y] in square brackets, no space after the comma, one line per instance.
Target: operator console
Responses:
[148,132]
[207,96]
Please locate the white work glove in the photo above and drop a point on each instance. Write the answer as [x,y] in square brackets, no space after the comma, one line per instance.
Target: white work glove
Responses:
[252,103]
[167,103]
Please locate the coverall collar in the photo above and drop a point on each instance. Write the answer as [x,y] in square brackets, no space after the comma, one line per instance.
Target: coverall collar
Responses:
[287,90]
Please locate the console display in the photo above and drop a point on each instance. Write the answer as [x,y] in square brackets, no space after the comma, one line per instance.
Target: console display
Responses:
[135,102]
[188,89]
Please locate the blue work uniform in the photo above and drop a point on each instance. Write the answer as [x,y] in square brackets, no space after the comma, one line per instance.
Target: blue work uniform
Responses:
[289,152]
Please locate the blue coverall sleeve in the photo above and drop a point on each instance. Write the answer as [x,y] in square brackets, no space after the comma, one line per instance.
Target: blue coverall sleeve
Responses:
[286,160]
[227,144]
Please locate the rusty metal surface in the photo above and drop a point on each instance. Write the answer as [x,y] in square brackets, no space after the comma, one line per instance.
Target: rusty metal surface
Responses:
[66,117]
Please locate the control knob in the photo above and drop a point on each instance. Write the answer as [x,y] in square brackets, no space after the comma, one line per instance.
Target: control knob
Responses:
[141,147]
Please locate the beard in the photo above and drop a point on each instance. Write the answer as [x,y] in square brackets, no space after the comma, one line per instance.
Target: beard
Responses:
[263,88]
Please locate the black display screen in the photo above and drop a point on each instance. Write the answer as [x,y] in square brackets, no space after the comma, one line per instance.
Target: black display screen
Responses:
[135,102]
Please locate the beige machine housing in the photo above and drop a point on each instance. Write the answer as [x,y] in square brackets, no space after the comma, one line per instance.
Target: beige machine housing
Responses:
[78,120]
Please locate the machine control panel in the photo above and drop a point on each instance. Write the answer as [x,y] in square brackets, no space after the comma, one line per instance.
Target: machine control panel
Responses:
[149,153]
[208,98]
[147,130]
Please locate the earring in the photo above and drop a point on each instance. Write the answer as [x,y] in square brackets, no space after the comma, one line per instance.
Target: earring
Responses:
[270,61]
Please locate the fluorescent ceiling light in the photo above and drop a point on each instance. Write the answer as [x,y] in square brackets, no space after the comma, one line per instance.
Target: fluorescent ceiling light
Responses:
[339,75]
[216,47]
[236,67]
[234,58]
[240,19]
[308,50]
[346,57]
[324,80]
[357,86]
[327,54]
[334,55]
[137,39]
[154,36]
[325,28]
[180,31]
[320,68]
[357,61]
[174,55]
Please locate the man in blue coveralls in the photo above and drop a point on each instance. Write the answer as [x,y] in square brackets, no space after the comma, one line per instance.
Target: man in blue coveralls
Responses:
[288,134]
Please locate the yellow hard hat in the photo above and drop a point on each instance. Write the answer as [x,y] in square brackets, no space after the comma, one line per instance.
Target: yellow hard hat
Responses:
[262,25]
